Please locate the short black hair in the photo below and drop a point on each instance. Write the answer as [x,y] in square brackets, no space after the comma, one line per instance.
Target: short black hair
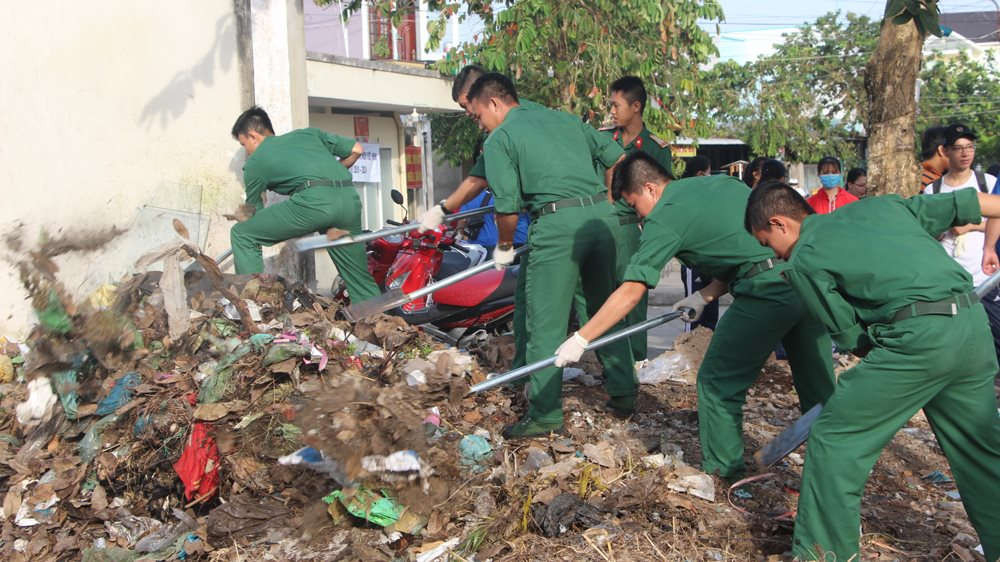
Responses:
[635,170]
[932,138]
[632,88]
[493,85]
[253,119]
[754,165]
[855,173]
[465,78]
[773,169]
[827,160]
[696,164]
[774,198]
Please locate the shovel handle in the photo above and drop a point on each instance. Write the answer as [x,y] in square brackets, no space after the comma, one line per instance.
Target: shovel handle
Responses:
[320,241]
[600,342]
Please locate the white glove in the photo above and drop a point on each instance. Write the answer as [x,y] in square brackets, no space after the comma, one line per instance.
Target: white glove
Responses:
[503,258]
[571,350]
[432,218]
[695,305]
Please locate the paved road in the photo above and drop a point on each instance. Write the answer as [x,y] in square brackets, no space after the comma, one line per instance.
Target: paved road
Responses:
[661,300]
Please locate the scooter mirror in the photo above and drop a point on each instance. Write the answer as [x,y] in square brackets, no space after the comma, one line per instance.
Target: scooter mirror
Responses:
[397,197]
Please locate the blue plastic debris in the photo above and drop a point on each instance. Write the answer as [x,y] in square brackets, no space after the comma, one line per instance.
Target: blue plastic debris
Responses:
[742,494]
[474,450]
[937,477]
[314,459]
[120,394]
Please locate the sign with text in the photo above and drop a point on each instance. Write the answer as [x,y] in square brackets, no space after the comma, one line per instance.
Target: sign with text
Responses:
[414,169]
[368,168]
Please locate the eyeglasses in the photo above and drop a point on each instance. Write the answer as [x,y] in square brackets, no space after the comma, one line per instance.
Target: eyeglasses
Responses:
[963,148]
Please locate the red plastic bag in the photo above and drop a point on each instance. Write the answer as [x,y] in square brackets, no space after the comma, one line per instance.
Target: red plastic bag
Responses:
[198,466]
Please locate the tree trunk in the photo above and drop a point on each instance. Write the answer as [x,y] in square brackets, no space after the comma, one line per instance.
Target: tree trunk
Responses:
[891,81]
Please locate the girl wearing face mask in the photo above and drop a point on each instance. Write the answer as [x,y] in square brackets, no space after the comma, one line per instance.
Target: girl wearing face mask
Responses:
[831,196]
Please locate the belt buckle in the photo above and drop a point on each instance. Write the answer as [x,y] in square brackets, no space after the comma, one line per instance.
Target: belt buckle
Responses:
[954,309]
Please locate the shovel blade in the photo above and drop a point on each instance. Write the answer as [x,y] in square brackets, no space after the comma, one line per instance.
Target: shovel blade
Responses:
[789,439]
[387,301]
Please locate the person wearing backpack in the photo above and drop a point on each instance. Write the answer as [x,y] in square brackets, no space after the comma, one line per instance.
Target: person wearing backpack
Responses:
[965,243]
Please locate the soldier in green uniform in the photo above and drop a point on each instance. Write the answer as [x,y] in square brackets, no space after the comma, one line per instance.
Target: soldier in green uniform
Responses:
[627,104]
[887,290]
[472,186]
[698,221]
[541,160]
[302,165]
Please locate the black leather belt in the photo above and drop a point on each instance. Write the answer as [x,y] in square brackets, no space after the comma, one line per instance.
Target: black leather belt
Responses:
[761,267]
[945,307]
[323,182]
[550,208]
[630,219]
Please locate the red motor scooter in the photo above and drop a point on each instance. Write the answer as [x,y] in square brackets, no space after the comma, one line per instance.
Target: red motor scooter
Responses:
[414,260]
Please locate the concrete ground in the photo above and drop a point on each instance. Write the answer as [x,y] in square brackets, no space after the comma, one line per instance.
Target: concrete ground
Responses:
[661,300]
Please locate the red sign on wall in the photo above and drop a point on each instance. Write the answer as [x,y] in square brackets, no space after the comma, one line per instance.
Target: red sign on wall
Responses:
[414,168]
[360,126]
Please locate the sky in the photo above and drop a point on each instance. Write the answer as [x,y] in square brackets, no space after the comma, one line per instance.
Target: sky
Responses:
[752,28]
[742,15]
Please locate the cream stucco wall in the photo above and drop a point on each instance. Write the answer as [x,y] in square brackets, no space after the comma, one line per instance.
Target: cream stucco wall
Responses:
[116,113]
[383,131]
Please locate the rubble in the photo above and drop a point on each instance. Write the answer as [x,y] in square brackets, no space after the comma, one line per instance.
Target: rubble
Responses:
[271,428]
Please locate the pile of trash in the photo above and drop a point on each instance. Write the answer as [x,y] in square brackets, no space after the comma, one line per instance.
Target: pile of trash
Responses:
[202,416]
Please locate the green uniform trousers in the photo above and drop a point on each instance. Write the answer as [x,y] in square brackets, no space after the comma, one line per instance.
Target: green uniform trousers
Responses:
[310,210]
[943,364]
[628,242]
[746,334]
[521,313]
[570,244]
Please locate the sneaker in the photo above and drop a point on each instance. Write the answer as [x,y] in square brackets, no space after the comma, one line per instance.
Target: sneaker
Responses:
[621,406]
[528,427]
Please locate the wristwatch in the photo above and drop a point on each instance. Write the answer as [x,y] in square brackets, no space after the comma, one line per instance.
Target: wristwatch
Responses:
[443,208]
[505,246]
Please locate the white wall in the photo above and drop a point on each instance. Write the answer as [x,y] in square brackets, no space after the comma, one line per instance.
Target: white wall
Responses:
[111,109]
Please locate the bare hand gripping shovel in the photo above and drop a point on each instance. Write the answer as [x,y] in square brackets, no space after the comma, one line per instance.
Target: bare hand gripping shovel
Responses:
[599,342]
[396,297]
[796,434]
[324,240]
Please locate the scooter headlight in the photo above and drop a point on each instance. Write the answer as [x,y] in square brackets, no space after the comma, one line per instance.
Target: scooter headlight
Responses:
[398,282]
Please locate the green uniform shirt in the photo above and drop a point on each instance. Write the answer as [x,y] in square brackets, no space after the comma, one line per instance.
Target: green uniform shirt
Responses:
[858,266]
[283,163]
[479,168]
[646,142]
[539,156]
[699,220]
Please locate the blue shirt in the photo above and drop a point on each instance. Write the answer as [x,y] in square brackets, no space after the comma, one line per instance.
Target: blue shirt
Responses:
[488,234]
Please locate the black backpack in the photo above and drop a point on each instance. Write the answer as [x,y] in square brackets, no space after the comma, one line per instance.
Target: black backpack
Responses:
[980,179]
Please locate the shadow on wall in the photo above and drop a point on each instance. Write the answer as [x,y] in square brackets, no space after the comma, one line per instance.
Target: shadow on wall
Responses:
[173,99]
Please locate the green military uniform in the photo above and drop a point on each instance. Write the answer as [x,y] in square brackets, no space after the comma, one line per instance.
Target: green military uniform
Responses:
[700,221]
[542,160]
[855,269]
[629,221]
[520,301]
[301,164]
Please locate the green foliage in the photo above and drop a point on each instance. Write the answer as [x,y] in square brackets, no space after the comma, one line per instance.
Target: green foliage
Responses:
[924,14]
[804,101]
[959,89]
[565,54]
[455,137]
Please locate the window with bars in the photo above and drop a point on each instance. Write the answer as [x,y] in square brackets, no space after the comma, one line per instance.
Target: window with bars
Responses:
[383,43]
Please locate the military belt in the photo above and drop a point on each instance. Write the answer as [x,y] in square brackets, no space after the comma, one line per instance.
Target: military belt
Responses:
[761,267]
[631,219]
[946,307]
[323,182]
[550,208]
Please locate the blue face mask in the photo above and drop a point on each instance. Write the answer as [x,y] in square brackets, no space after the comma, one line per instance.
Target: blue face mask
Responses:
[829,181]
